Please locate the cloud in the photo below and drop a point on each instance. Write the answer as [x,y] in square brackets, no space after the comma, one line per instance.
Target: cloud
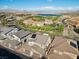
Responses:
[54,8]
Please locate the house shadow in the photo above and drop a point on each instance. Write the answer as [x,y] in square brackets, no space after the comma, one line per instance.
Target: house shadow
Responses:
[78,49]
[6,53]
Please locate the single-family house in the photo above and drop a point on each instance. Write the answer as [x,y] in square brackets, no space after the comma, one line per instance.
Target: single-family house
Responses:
[36,23]
[32,22]
[38,43]
[28,21]
[62,48]
[10,18]
[48,22]
[18,18]
[10,21]
[20,35]
[7,31]
[74,21]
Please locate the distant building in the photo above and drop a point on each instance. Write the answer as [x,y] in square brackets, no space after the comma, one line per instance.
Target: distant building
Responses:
[18,18]
[36,23]
[10,21]
[28,21]
[75,21]
[48,22]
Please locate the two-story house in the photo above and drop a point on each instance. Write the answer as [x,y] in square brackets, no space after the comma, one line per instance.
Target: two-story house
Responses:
[6,32]
[21,35]
[38,43]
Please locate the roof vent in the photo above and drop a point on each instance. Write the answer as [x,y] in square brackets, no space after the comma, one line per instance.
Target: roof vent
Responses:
[33,36]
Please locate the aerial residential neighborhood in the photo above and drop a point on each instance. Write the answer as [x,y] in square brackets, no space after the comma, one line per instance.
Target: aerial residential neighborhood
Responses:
[41,42]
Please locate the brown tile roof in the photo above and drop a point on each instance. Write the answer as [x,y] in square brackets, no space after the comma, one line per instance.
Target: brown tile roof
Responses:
[56,56]
[74,20]
[38,49]
[36,56]
[61,44]
[40,39]
[24,48]
[27,52]
[28,21]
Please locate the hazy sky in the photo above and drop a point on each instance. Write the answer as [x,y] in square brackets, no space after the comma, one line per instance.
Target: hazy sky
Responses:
[40,5]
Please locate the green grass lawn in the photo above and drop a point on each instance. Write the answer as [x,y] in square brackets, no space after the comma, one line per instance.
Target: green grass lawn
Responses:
[47,28]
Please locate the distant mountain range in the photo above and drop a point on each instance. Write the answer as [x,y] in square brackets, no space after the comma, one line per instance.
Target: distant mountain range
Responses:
[13,11]
[71,12]
[39,12]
